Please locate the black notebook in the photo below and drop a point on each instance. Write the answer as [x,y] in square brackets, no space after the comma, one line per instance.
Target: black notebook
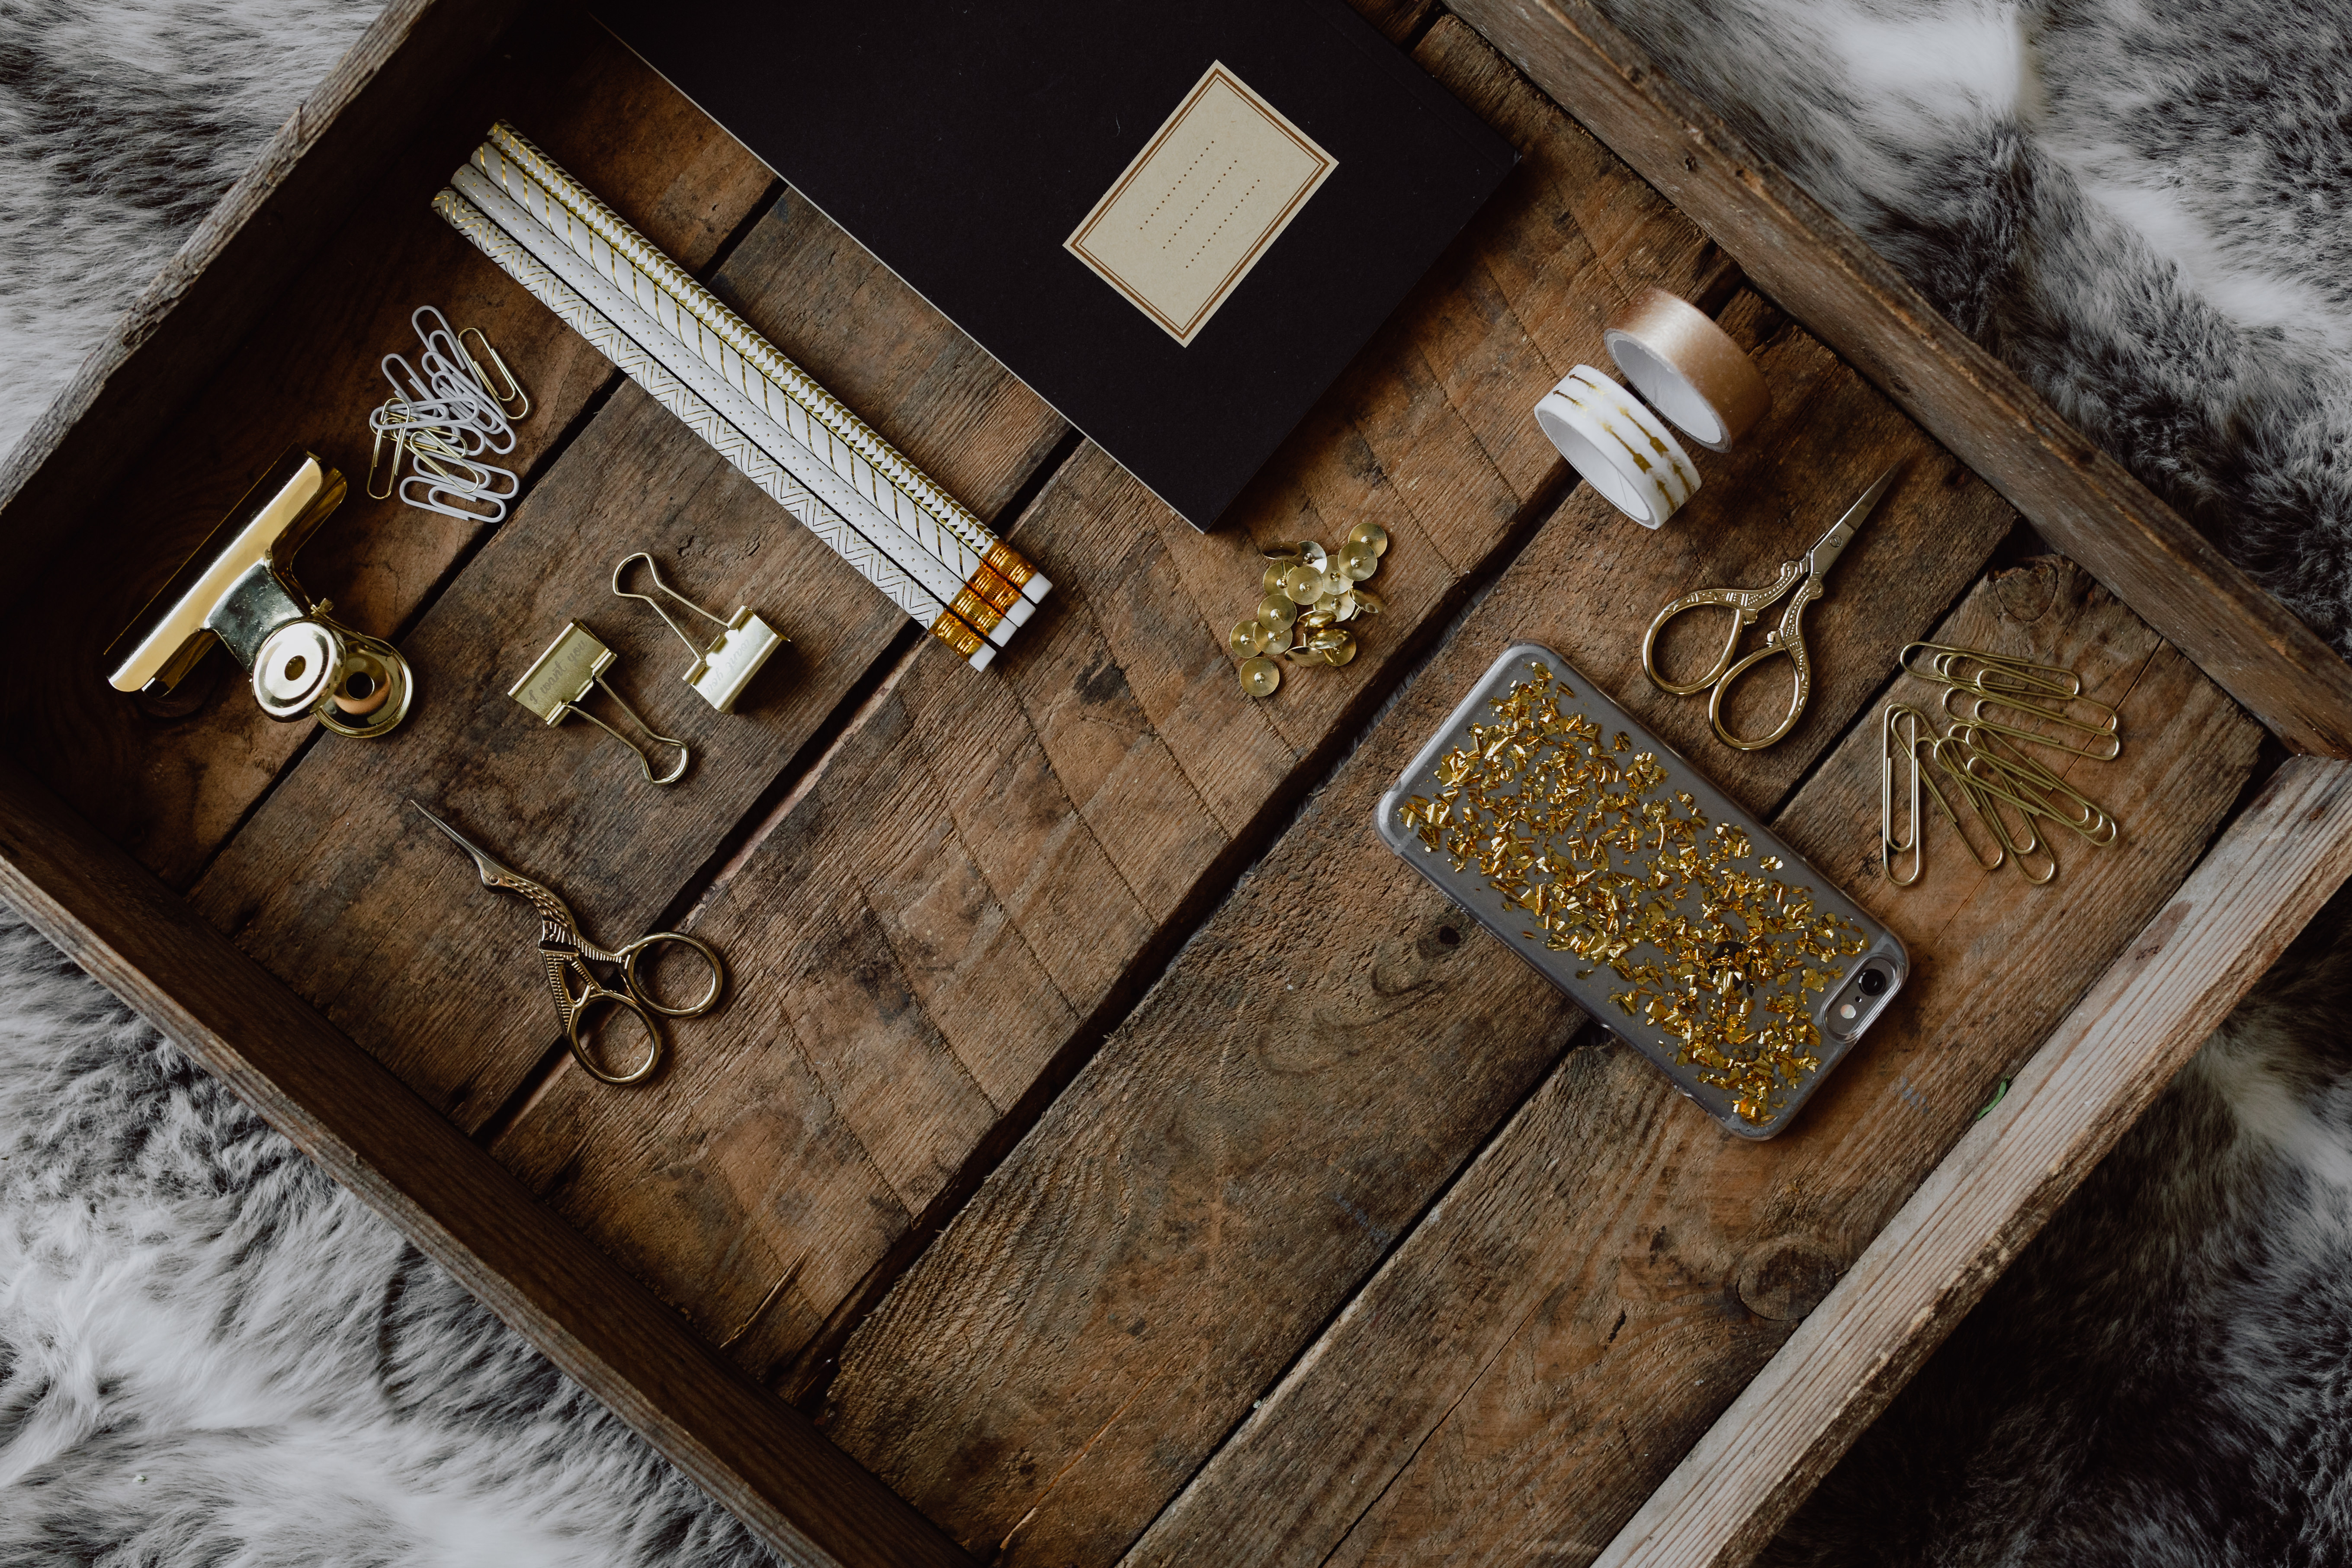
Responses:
[1177,224]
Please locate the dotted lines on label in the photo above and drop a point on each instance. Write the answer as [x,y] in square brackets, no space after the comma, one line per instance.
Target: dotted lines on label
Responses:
[1189,216]
[1171,193]
[1240,203]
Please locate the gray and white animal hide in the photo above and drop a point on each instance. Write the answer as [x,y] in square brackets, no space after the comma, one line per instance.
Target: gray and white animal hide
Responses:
[210,1353]
[121,125]
[2147,211]
[2163,1379]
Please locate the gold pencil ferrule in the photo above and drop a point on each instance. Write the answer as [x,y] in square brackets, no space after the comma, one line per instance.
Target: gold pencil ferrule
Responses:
[957,635]
[973,608]
[1002,561]
[992,589]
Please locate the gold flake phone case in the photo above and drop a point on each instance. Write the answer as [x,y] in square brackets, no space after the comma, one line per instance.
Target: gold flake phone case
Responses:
[1594,851]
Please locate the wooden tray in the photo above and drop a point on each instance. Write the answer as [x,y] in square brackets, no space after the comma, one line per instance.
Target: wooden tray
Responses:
[1111,1151]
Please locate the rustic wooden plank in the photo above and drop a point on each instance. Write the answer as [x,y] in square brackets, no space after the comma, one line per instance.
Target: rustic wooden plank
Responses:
[1247,1145]
[601,1328]
[1399,21]
[258,238]
[1612,1270]
[171,782]
[2098,1074]
[2081,500]
[289,887]
[999,858]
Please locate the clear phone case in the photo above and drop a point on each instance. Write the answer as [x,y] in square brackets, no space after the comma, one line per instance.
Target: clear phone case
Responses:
[1596,853]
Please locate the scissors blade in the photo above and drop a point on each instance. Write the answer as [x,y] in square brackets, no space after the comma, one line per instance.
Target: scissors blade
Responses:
[494,874]
[1831,545]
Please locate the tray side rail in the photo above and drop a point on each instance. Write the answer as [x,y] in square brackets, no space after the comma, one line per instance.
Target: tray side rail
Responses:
[1812,265]
[748,1448]
[256,239]
[2260,883]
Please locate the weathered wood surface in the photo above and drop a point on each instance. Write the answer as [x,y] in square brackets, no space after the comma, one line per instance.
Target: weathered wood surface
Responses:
[1330,1048]
[258,239]
[354,901]
[2081,500]
[1399,21]
[445,1195]
[2098,1074]
[171,782]
[969,887]
[1612,1269]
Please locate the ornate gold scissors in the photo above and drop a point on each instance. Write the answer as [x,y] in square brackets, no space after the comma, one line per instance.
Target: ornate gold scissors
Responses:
[566,953]
[1788,637]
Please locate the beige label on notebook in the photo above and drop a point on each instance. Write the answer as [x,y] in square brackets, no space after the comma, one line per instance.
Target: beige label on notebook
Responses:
[1210,193]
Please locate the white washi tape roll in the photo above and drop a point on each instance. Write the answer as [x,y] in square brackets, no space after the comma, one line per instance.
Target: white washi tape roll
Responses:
[1620,447]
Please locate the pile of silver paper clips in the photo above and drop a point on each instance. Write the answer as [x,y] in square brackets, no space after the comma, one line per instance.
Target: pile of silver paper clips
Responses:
[1996,706]
[444,415]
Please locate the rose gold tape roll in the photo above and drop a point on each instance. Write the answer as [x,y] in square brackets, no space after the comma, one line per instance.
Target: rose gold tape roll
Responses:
[1688,368]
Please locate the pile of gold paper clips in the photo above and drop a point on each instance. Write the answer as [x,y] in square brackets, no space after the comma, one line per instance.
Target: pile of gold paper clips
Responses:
[1996,706]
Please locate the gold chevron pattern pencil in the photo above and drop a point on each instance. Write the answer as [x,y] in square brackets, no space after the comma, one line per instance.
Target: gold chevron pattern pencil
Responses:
[636,362]
[813,415]
[835,493]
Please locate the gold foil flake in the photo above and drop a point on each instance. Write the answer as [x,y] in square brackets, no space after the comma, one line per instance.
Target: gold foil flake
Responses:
[1580,833]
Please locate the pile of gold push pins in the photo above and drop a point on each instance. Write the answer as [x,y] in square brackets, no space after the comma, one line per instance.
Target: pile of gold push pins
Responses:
[2005,705]
[1311,593]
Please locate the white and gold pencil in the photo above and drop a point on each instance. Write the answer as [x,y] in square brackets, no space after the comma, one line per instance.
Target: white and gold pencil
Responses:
[636,361]
[814,416]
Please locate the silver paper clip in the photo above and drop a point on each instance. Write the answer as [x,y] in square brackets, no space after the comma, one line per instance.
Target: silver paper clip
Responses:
[557,682]
[721,670]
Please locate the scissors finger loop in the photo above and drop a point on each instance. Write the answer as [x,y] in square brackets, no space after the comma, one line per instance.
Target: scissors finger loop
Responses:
[575,1023]
[1788,638]
[1739,620]
[642,993]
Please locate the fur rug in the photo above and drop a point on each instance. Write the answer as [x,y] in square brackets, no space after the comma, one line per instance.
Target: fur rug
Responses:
[208,1353]
[2147,211]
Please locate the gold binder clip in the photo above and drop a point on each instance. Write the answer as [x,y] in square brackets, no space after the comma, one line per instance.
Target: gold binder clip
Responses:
[237,590]
[721,670]
[557,682]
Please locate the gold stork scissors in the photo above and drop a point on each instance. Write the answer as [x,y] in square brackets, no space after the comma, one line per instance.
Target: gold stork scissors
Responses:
[566,953]
[1788,637]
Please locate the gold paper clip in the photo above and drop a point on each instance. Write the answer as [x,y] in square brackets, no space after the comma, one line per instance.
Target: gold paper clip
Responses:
[1976,809]
[1979,701]
[1945,659]
[514,392]
[557,682]
[721,670]
[2035,783]
[1889,845]
[1982,807]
